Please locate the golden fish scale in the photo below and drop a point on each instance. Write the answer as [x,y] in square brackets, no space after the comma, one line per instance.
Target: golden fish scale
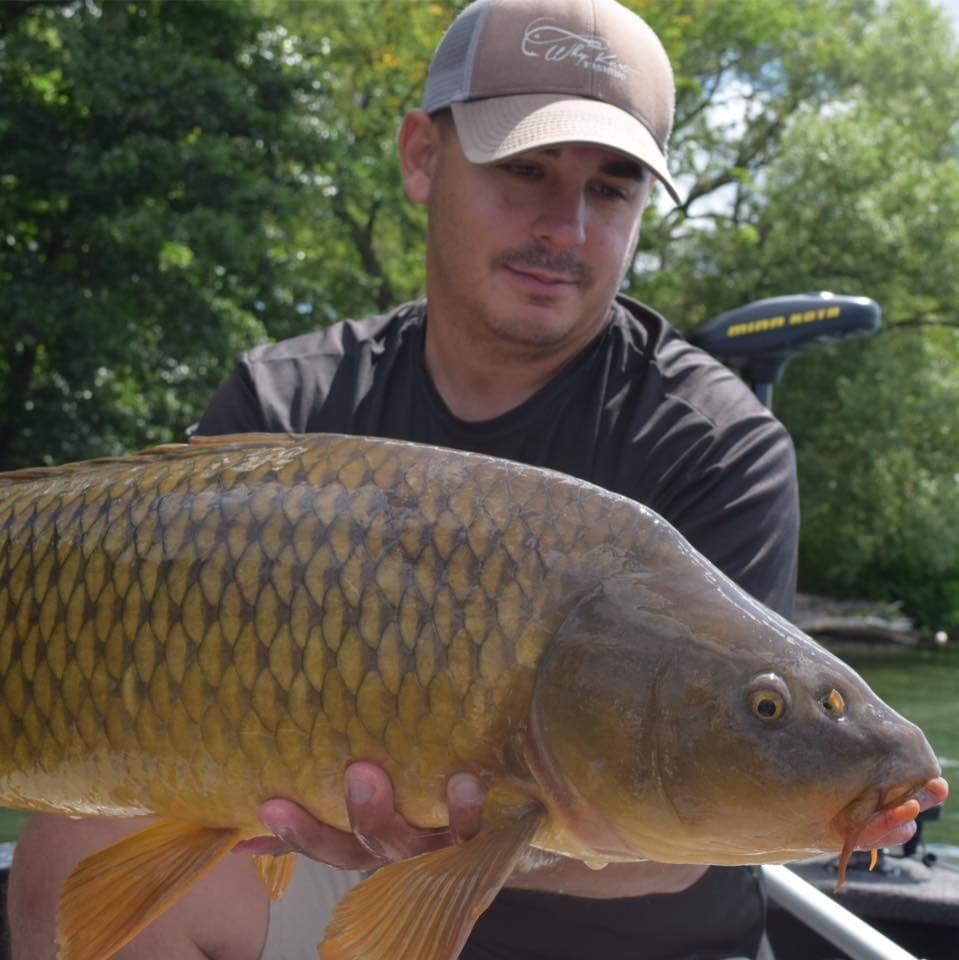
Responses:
[191,631]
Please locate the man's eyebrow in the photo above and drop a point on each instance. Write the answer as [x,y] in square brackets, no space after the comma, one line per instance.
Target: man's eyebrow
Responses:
[624,169]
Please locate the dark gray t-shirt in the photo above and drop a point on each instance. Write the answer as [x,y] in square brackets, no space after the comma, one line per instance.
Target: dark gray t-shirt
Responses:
[640,412]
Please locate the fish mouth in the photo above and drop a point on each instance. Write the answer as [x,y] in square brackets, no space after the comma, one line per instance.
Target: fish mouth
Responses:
[876,815]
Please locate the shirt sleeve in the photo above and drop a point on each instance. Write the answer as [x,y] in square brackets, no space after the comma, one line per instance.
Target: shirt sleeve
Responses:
[234,408]
[743,512]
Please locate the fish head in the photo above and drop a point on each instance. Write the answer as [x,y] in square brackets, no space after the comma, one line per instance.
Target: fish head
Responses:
[685,722]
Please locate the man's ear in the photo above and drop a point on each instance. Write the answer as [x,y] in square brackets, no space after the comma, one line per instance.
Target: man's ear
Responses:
[419,144]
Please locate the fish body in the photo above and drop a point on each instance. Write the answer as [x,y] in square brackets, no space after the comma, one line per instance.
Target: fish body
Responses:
[204,627]
[187,632]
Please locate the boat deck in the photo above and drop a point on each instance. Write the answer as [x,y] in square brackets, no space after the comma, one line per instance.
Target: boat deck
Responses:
[912,900]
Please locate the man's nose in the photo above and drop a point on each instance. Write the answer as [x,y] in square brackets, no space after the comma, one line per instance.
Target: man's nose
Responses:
[562,220]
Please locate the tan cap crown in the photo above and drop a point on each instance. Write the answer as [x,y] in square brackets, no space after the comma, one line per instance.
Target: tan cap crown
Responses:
[526,74]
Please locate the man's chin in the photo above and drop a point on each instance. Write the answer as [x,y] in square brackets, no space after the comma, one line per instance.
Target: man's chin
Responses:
[534,328]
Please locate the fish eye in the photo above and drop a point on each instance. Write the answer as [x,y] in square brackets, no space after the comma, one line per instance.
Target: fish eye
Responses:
[833,704]
[768,697]
[767,705]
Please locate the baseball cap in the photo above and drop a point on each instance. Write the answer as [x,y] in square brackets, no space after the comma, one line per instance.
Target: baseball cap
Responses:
[527,74]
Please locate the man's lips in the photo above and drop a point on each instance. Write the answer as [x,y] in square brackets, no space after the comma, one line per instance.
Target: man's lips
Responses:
[542,269]
[541,278]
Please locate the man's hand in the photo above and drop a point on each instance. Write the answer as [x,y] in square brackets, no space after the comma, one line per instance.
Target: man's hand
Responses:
[380,834]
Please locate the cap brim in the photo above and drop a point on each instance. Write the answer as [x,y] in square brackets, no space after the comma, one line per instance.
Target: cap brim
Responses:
[500,127]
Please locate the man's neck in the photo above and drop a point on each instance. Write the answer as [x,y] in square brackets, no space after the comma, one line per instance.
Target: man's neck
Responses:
[476,391]
[483,381]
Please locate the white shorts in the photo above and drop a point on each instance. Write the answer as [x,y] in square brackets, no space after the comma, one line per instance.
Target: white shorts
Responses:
[298,919]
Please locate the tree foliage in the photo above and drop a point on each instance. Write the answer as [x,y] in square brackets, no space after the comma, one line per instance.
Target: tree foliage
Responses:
[357,243]
[178,181]
[877,426]
[819,149]
[838,169]
[146,150]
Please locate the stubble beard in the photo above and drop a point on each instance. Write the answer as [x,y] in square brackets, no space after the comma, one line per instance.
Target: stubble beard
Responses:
[534,326]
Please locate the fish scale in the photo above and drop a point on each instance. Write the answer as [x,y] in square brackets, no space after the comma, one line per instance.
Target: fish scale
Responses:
[211,604]
[191,631]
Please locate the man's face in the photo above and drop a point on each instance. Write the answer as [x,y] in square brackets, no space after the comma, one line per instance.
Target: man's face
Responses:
[530,251]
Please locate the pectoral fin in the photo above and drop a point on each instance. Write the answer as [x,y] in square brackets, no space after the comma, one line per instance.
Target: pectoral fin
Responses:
[112,895]
[276,872]
[424,908]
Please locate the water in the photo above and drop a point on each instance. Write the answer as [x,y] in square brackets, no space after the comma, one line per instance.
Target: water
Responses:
[922,685]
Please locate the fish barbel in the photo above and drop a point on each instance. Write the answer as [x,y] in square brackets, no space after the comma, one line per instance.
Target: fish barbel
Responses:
[189,631]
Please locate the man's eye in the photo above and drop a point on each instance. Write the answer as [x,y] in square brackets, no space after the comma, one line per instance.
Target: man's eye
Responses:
[521,169]
[610,191]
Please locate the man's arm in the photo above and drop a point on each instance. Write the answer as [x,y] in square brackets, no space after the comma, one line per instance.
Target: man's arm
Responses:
[224,917]
[235,407]
[737,500]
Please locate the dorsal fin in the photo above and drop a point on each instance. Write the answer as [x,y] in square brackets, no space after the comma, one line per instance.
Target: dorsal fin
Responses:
[196,447]
[246,439]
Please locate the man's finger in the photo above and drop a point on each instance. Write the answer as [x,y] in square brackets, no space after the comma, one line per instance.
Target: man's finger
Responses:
[377,824]
[297,829]
[465,795]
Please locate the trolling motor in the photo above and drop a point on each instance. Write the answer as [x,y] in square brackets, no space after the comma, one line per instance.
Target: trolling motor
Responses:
[761,337]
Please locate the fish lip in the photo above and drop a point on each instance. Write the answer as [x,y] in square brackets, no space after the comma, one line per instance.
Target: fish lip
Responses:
[896,795]
[883,811]
[928,793]
[873,802]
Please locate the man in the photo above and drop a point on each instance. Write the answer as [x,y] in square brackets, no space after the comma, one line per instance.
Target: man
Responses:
[542,135]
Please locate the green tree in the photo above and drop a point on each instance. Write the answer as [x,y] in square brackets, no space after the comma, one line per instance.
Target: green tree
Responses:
[147,151]
[857,191]
[357,244]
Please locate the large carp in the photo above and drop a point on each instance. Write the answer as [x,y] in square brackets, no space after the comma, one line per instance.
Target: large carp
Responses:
[189,631]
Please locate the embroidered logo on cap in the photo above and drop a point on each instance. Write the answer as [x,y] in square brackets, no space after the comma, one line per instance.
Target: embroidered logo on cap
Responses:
[546,38]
